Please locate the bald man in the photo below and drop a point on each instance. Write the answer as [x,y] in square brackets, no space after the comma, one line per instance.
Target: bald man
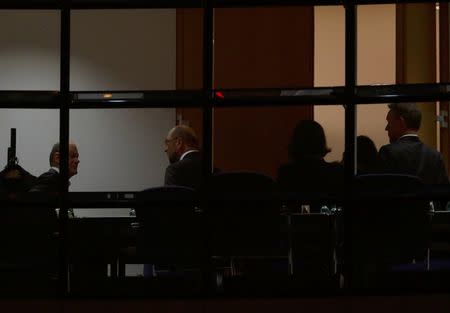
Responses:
[49,181]
[185,167]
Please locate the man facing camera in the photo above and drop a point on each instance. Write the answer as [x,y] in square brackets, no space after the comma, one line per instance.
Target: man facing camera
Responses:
[406,154]
[185,167]
[49,181]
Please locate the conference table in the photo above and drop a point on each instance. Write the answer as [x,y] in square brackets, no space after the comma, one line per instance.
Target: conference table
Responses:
[109,239]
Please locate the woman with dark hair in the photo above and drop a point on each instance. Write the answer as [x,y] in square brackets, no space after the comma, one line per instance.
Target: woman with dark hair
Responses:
[366,156]
[307,170]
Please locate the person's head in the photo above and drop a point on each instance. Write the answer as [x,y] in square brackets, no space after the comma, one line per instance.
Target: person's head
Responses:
[180,139]
[73,158]
[308,140]
[367,154]
[402,119]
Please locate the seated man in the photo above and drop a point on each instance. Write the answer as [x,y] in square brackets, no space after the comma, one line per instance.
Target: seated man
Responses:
[49,181]
[185,167]
[406,154]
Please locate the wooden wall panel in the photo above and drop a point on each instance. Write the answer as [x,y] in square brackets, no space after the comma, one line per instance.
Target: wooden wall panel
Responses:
[255,48]
[190,61]
[444,77]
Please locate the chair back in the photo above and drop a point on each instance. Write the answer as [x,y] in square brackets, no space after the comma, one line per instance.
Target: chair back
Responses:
[243,215]
[170,226]
[389,223]
[29,253]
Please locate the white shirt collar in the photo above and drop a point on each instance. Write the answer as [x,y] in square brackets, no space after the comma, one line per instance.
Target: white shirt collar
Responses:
[408,135]
[57,170]
[186,153]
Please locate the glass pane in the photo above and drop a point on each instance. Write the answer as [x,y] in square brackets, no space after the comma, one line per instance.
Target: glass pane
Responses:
[251,148]
[29,50]
[123,152]
[397,145]
[376,39]
[329,46]
[390,125]
[123,49]
[241,133]
[417,65]
[120,149]
[284,35]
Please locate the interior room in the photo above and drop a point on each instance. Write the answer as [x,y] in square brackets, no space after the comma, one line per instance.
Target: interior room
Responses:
[112,96]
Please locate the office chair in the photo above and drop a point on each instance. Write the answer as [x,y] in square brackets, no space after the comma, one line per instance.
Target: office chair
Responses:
[170,235]
[29,250]
[93,245]
[243,219]
[389,225]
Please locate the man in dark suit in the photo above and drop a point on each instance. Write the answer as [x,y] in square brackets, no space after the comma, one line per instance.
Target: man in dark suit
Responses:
[185,167]
[49,181]
[406,154]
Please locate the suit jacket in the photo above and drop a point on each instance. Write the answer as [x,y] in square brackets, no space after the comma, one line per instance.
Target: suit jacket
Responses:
[186,172]
[47,182]
[408,155]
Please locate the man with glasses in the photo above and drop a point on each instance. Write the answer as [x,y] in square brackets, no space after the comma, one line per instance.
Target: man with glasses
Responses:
[182,149]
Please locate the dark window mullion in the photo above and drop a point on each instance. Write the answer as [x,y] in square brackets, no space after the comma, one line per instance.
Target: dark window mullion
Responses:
[350,127]
[207,117]
[208,34]
[64,145]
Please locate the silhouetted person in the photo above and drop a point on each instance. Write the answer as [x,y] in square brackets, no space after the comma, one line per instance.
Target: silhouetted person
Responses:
[406,154]
[49,181]
[182,149]
[308,171]
[366,156]
[15,179]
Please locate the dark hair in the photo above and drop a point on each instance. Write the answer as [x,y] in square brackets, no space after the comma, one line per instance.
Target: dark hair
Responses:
[55,149]
[367,154]
[409,112]
[308,139]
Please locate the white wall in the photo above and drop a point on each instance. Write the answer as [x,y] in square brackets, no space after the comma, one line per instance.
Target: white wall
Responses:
[123,49]
[376,65]
[115,50]
[120,149]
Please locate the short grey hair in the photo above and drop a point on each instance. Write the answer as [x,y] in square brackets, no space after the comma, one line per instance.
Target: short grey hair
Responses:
[409,112]
[187,134]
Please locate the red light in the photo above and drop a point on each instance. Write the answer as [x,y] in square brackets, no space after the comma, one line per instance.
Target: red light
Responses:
[220,95]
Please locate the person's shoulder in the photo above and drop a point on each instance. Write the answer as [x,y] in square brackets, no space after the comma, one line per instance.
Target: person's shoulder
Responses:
[190,159]
[194,156]
[389,149]
[432,151]
[51,177]
[180,164]
[334,169]
[390,146]
[47,181]
[51,173]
